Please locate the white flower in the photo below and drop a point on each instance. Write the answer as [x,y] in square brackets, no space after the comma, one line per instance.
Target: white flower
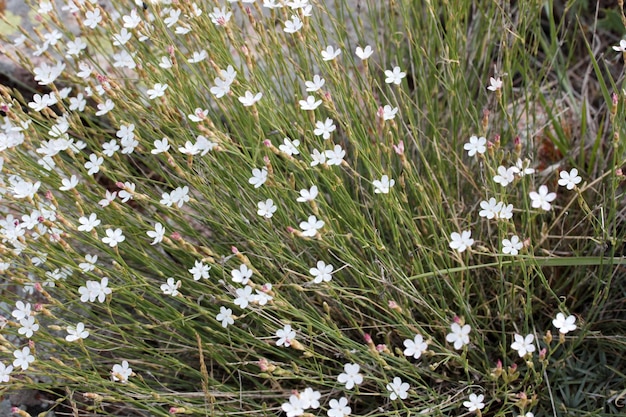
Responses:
[293,25]
[383,185]
[490,209]
[121,372]
[512,246]
[113,237]
[28,327]
[76,333]
[160,146]
[330,53]
[310,398]
[198,115]
[542,199]
[394,76]
[324,129]
[307,195]
[415,347]
[364,53]
[522,168]
[310,103]
[621,47]
[157,91]
[225,316]
[388,112]
[564,324]
[92,18]
[475,145]
[461,241]
[311,226]
[242,275]
[338,408]
[459,335]
[570,179]
[495,84]
[23,358]
[523,344]
[266,208]
[506,212]
[87,224]
[171,287]
[322,272]
[335,156]
[398,389]
[318,157]
[259,176]
[475,402]
[290,147]
[157,234]
[294,407]
[314,85]
[5,372]
[199,270]
[351,376]
[285,336]
[198,56]
[505,176]
[249,99]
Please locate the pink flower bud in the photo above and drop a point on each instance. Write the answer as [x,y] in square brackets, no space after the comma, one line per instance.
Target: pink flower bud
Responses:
[367,337]
[175,236]
[234,250]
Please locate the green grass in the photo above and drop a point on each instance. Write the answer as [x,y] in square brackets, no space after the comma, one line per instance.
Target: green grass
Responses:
[395,274]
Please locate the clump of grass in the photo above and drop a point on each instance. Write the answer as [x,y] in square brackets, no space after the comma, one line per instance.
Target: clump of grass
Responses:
[236,210]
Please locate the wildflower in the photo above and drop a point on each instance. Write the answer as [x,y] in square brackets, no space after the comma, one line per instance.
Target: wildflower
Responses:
[475,145]
[461,241]
[198,56]
[335,155]
[244,296]
[383,185]
[398,389]
[506,212]
[490,209]
[330,53]
[113,237]
[542,199]
[310,103]
[523,344]
[512,246]
[351,376]
[564,324]
[495,84]
[22,310]
[157,91]
[394,76]
[221,88]
[318,158]
[46,74]
[290,147]
[25,189]
[171,287]
[459,335]
[157,234]
[225,316]
[172,18]
[88,224]
[311,226]
[570,179]
[621,47]
[522,168]
[160,146]
[259,176]
[5,372]
[364,53]
[166,62]
[94,290]
[200,270]
[220,17]
[316,84]
[104,108]
[415,347]
[307,195]
[266,208]
[229,74]
[388,112]
[242,275]
[28,327]
[321,273]
[76,333]
[310,398]
[92,18]
[249,99]
[121,372]
[293,25]
[108,198]
[89,265]
[120,39]
[475,402]
[293,408]
[23,358]
[505,176]
[339,408]
[285,336]
[324,129]
[109,148]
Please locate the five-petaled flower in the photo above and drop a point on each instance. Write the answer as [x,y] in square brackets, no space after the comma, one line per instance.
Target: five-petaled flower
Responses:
[495,84]
[461,241]
[285,336]
[398,389]
[415,347]
[383,185]
[475,145]
[394,76]
[475,402]
[311,226]
[459,335]
[350,375]
[523,344]
[512,246]
[322,272]
[542,199]
[338,408]
[570,179]
[564,324]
